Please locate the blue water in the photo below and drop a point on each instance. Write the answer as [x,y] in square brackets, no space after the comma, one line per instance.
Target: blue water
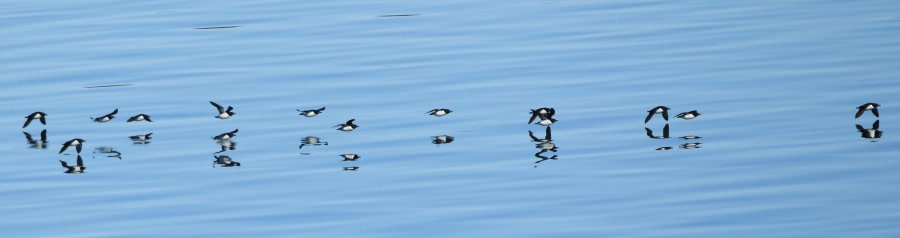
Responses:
[776,82]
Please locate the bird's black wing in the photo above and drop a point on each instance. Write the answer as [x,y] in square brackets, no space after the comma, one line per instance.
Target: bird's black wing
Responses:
[27,122]
[65,146]
[229,109]
[534,115]
[322,109]
[649,116]
[113,113]
[665,115]
[218,107]
[874,111]
[78,148]
[860,112]
[551,113]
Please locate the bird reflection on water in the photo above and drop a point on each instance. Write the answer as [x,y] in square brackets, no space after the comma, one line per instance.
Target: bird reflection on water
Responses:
[870,133]
[37,144]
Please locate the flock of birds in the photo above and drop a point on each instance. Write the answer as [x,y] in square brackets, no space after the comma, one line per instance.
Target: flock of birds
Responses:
[542,116]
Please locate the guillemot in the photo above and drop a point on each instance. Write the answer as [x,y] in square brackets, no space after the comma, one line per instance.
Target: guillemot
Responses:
[36,115]
[658,110]
[223,113]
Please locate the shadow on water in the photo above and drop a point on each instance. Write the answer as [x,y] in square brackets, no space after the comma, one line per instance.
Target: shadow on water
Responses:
[37,144]
[74,169]
[215,27]
[870,133]
[401,15]
[111,85]
[109,151]
[224,161]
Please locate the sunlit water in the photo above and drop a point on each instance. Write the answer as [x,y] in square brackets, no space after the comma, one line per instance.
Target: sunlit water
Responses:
[777,84]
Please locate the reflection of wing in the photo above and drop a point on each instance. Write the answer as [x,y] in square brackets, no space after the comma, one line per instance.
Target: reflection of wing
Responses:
[649,116]
[649,132]
[28,137]
[665,115]
[534,115]
[65,146]
[44,135]
[874,111]
[876,124]
[547,136]
[64,165]
[80,162]
[860,128]
[860,112]
[531,134]
[218,107]
[27,122]
[666,131]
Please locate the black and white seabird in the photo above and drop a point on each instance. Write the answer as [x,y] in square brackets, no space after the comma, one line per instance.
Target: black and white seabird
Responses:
[664,148]
[348,126]
[871,133]
[544,112]
[140,117]
[224,161]
[107,117]
[36,115]
[658,110]
[862,109]
[546,120]
[665,134]
[694,145]
[441,139]
[311,112]
[77,142]
[690,137]
[37,144]
[439,112]
[74,169]
[350,157]
[226,135]
[547,136]
[223,113]
[351,168]
[141,138]
[688,115]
